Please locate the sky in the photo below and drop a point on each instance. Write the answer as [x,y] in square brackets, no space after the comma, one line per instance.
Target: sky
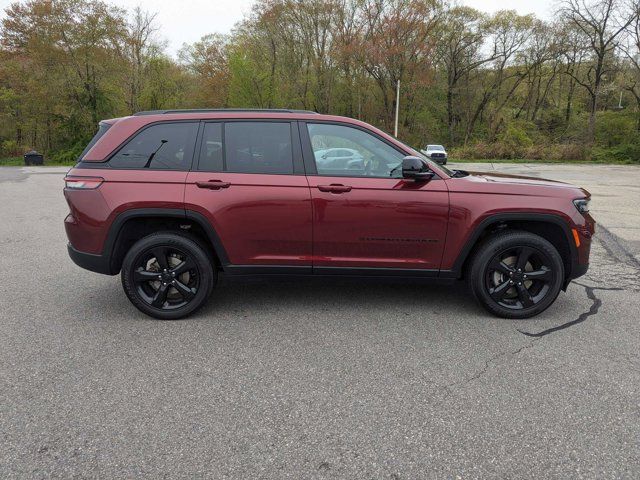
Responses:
[186,21]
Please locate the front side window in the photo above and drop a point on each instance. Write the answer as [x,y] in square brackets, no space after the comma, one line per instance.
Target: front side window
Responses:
[164,146]
[258,147]
[347,151]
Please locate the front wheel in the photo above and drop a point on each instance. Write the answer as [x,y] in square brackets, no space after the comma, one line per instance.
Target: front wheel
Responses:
[167,276]
[516,274]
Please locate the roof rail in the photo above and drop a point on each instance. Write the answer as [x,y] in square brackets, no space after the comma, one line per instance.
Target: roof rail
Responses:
[207,110]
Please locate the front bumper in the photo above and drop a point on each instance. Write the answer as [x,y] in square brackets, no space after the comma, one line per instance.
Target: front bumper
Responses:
[440,160]
[90,261]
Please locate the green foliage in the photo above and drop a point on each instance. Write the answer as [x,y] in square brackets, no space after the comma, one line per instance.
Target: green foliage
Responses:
[615,128]
[624,153]
[11,161]
[10,148]
[69,155]
[500,151]
[500,86]
[515,139]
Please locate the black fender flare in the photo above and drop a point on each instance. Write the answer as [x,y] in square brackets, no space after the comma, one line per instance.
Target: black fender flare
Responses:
[116,228]
[498,218]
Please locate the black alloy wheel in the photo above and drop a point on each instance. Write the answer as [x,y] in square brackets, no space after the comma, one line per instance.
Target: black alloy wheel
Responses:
[519,277]
[167,275]
[516,274]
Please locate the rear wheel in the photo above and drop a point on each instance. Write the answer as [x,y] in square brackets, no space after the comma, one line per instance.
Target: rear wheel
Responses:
[167,276]
[516,274]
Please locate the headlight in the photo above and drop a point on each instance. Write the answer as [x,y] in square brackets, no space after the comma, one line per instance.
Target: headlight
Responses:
[582,204]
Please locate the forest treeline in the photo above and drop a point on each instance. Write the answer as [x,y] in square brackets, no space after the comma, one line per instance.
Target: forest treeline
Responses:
[487,86]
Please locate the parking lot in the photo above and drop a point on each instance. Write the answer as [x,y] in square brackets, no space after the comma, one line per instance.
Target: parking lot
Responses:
[318,378]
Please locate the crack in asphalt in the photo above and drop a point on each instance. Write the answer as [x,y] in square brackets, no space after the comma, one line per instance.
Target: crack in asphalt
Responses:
[593,310]
[487,364]
[615,249]
[596,303]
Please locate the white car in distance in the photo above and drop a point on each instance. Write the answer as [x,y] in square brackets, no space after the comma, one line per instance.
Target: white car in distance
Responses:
[437,153]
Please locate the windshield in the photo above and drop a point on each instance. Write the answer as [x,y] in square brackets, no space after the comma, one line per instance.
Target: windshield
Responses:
[435,147]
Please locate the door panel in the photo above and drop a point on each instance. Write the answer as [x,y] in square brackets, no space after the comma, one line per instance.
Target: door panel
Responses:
[364,214]
[378,222]
[259,208]
[260,219]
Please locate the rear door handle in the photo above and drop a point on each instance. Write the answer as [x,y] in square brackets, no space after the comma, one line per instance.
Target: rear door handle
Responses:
[213,184]
[334,188]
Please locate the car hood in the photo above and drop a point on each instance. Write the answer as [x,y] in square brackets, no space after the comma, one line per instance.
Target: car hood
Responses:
[488,182]
[517,179]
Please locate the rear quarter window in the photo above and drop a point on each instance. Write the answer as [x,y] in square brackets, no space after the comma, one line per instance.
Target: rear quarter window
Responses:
[102,129]
[163,146]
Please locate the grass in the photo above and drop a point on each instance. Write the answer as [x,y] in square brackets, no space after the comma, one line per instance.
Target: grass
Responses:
[11,161]
[19,162]
[612,161]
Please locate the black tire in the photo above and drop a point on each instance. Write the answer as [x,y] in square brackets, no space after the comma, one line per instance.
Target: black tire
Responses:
[168,275]
[516,274]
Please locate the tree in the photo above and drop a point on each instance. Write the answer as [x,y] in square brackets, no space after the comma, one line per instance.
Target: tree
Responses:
[600,22]
[631,50]
[460,50]
[208,60]
[398,45]
[509,33]
[140,48]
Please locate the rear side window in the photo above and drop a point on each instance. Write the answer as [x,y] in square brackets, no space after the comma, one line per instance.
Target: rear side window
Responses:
[258,147]
[102,129]
[164,146]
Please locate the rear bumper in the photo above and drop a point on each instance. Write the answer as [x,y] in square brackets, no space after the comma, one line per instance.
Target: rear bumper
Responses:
[90,261]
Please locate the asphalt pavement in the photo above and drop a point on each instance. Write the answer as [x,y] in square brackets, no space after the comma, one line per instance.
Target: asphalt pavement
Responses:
[319,378]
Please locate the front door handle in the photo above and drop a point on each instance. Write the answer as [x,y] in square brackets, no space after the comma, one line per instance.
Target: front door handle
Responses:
[213,184]
[334,188]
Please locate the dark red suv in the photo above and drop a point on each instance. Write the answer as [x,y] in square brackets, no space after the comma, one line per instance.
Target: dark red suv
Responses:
[172,198]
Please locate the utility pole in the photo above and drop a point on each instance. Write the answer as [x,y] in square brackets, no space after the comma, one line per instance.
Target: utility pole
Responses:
[395,130]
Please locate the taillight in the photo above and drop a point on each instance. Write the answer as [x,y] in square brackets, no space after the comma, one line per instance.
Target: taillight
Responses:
[82,183]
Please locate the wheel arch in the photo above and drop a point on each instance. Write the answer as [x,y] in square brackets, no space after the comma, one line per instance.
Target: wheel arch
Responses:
[553,228]
[131,225]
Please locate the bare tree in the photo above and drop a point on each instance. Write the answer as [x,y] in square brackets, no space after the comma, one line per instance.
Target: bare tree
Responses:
[397,44]
[542,60]
[601,22]
[631,49]
[139,45]
[460,50]
[509,33]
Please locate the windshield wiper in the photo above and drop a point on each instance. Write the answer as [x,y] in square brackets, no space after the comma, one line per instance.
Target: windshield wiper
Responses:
[162,142]
[460,173]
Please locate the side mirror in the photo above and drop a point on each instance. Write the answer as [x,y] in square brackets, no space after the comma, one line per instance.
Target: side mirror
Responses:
[415,168]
